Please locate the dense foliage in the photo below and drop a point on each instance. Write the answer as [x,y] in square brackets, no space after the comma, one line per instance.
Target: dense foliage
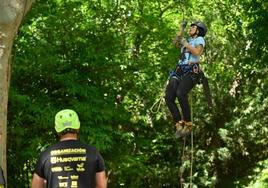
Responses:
[109,61]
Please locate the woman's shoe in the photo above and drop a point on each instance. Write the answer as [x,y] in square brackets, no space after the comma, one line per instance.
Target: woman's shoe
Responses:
[179,127]
[188,126]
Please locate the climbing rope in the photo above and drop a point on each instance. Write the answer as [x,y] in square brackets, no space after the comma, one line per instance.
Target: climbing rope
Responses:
[183,154]
[192,143]
[192,156]
[182,162]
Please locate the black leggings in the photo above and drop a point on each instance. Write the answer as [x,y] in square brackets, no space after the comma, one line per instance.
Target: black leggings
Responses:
[180,89]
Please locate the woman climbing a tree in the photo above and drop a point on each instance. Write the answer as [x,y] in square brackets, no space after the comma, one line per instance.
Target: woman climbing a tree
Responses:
[185,76]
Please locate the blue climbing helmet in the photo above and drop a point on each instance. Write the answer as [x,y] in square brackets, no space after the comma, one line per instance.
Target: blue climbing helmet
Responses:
[202,28]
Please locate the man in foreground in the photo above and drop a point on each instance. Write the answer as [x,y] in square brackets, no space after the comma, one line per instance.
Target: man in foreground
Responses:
[69,163]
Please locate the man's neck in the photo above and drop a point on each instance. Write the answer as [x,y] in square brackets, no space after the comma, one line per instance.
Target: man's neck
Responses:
[69,136]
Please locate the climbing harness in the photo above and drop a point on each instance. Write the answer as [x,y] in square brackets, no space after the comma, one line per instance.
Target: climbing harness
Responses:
[197,76]
[180,71]
[185,69]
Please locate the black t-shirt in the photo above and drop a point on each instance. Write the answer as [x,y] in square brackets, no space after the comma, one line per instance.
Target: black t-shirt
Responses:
[70,164]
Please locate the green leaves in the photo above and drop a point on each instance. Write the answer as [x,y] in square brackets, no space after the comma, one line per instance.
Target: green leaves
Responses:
[109,61]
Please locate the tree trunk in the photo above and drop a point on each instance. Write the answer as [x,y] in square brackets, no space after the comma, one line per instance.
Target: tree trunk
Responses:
[11,15]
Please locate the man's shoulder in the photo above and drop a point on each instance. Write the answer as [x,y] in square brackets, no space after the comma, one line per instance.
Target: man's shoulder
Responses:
[45,152]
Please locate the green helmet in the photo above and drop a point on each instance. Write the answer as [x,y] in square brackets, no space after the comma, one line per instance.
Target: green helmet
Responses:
[66,119]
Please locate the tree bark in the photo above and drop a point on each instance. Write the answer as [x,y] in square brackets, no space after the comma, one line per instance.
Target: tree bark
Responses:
[11,15]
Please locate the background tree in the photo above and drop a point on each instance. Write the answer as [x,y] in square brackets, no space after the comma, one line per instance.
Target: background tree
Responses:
[11,15]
